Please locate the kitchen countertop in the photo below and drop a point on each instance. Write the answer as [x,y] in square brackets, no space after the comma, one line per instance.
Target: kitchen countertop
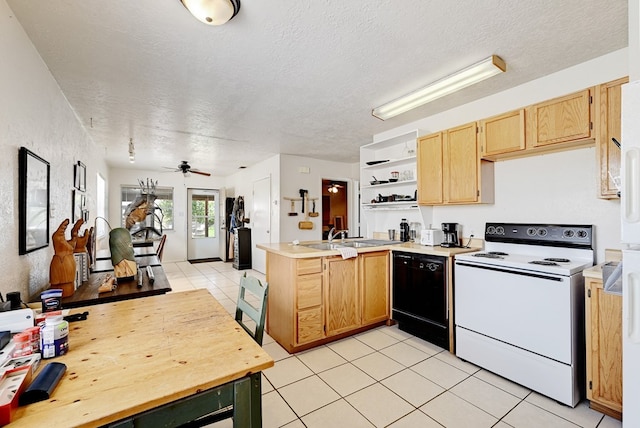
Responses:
[287,249]
[610,255]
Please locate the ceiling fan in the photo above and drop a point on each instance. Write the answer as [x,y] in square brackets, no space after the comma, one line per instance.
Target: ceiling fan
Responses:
[333,187]
[185,168]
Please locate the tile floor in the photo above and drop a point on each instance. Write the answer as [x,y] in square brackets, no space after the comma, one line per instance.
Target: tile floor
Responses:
[383,378]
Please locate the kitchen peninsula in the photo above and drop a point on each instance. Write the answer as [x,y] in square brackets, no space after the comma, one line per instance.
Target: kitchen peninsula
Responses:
[316,296]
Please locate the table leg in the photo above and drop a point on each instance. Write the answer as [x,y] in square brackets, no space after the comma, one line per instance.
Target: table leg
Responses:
[247,402]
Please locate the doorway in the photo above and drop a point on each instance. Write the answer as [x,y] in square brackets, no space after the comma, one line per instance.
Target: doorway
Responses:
[334,206]
[203,208]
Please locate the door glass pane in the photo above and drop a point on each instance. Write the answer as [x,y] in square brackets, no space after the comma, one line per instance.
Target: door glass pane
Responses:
[203,216]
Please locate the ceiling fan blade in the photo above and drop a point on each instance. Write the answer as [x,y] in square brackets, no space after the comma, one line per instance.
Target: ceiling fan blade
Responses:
[195,171]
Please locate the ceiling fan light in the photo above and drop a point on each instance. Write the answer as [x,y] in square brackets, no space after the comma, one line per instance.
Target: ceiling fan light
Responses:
[212,12]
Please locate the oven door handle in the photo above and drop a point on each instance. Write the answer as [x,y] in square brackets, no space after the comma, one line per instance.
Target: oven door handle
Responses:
[513,272]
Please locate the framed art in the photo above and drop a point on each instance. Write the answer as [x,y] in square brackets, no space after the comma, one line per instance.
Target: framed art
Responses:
[33,201]
[80,176]
[77,205]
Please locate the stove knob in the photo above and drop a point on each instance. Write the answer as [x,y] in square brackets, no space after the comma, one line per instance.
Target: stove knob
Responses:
[542,232]
[531,231]
[568,233]
[582,233]
[491,230]
[500,230]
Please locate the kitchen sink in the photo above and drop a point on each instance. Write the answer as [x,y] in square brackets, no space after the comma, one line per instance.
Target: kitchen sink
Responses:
[324,246]
[361,243]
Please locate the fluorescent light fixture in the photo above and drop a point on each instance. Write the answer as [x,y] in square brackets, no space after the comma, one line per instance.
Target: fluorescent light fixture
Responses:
[212,12]
[461,79]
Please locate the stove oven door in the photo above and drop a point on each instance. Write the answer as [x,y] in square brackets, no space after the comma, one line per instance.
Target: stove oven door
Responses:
[532,311]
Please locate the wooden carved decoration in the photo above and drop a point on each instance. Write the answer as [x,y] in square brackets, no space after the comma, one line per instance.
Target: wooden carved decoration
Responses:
[81,240]
[62,271]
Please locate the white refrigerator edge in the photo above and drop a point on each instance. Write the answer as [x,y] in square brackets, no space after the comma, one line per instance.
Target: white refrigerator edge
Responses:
[630,221]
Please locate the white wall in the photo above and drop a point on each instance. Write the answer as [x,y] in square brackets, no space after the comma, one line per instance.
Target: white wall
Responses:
[554,188]
[35,114]
[292,181]
[176,244]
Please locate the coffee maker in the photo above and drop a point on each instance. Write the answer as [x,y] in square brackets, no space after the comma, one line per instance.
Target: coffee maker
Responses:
[450,238]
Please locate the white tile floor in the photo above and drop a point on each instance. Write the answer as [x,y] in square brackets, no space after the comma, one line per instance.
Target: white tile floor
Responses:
[382,378]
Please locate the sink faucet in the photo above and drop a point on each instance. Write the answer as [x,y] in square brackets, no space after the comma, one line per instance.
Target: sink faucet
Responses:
[332,235]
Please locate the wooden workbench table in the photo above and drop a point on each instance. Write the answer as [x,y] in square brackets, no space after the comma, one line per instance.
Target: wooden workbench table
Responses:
[148,360]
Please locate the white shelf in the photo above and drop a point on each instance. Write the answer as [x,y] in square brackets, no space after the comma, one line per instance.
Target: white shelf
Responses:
[401,205]
[397,183]
[391,162]
[399,139]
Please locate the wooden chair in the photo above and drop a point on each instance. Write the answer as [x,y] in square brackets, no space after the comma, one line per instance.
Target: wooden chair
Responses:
[257,314]
[161,247]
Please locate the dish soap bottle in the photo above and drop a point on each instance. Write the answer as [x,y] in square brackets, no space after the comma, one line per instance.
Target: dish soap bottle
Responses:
[404,230]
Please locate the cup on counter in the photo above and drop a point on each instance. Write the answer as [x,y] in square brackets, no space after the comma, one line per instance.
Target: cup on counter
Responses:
[392,234]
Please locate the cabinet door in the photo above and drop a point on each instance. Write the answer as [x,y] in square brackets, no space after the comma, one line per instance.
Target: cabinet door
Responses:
[503,134]
[310,325]
[461,163]
[562,119]
[429,166]
[374,286]
[608,152]
[604,347]
[341,295]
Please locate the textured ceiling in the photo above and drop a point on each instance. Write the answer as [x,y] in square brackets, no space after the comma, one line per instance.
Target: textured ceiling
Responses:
[295,77]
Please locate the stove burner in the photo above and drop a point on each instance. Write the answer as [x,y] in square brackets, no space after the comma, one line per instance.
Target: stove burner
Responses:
[498,253]
[556,259]
[489,255]
[544,262]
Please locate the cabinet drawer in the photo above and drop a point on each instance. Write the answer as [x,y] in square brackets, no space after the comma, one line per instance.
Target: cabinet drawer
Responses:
[310,325]
[309,291]
[306,266]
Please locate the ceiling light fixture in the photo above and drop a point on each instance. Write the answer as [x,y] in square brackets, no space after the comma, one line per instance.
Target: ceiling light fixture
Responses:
[333,188]
[132,151]
[212,12]
[475,73]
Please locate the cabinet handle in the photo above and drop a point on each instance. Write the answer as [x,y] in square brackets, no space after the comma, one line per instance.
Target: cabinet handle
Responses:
[632,181]
[633,309]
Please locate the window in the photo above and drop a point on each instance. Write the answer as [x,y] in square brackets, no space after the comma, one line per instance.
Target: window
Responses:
[163,203]
[203,216]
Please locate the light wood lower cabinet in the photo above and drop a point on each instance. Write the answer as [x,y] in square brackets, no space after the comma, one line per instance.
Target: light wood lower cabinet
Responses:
[603,321]
[374,286]
[316,300]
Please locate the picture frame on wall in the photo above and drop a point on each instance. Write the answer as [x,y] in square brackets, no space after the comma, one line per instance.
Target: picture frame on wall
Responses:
[33,201]
[80,176]
[77,205]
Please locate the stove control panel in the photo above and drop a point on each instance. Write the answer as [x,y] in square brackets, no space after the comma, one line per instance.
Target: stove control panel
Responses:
[579,236]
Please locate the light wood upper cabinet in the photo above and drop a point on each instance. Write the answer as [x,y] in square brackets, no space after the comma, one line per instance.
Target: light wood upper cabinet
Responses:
[450,170]
[603,317]
[341,298]
[503,134]
[374,286]
[562,120]
[429,168]
[610,113]
[461,161]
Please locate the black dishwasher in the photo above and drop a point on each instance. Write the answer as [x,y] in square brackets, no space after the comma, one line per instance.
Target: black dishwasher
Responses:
[420,296]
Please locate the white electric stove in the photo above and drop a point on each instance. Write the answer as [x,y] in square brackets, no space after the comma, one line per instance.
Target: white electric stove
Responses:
[519,305]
